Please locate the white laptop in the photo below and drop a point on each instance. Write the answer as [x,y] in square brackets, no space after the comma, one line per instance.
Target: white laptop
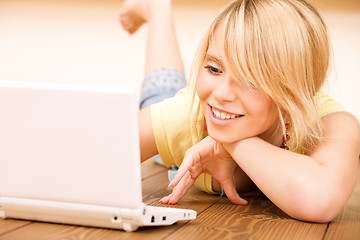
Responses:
[70,154]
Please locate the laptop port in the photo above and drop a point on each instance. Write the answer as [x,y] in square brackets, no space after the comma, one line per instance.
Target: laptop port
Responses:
[164,218]
[153,219]
[115,219]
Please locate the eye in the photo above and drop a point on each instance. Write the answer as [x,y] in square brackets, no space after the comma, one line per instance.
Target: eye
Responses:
[213,70]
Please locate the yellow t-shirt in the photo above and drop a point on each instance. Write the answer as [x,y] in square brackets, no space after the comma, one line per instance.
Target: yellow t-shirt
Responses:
[172,126]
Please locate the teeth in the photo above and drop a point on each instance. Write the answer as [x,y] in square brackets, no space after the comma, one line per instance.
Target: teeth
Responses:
[216,113]
[223,115]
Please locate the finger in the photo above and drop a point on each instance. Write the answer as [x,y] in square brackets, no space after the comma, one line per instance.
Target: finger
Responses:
[179,189]
[232,194]
[166,199]
[188,185]
[184,168]
[175,192]
[195,171]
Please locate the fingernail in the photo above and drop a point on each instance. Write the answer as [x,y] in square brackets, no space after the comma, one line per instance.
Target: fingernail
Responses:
[170,184]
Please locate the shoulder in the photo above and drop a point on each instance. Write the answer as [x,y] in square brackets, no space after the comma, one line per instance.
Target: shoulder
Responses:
[335,118]
[340,143]
[342,125]
[326,104]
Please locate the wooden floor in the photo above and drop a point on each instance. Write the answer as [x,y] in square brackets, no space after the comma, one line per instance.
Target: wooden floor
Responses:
[217,219]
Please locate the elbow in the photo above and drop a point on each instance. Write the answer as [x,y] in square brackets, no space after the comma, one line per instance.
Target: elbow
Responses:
[313,203]
[318,204]
[317,208]
[316,213]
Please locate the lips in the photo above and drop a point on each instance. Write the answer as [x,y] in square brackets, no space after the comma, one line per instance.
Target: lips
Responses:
[222,115]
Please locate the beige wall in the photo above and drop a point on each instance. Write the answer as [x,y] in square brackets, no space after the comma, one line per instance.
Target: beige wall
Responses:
[81,41]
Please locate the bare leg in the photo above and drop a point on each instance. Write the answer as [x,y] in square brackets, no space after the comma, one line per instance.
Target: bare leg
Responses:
[162,45]
[164,70]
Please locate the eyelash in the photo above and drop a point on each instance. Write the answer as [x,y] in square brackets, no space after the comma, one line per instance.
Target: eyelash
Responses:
[212,69]
[216,71]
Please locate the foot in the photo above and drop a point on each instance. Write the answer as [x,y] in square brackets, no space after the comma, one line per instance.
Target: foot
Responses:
[133,14]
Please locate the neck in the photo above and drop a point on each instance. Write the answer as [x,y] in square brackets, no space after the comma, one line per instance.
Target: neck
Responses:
[273,135]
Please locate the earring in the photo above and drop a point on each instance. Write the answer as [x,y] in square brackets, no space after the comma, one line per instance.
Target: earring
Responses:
[285,137]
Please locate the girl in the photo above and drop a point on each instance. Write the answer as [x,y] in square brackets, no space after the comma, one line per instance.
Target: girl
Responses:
[253,115]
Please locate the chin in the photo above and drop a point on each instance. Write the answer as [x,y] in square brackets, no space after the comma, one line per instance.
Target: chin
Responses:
[224,138]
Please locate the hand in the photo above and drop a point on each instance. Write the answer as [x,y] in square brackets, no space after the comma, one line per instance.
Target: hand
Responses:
[210,157]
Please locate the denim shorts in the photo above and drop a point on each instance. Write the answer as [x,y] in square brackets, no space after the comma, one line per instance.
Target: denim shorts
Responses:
[160,84]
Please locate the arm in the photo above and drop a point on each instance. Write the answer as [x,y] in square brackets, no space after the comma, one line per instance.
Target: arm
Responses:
[146,135]
[313,187]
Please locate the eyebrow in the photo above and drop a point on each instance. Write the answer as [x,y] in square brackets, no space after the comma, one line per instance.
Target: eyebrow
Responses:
[210,57]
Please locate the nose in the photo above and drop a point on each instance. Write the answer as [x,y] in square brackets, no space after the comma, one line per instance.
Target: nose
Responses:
[225,90]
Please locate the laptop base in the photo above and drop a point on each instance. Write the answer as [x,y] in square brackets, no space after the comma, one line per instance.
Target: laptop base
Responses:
[91,215]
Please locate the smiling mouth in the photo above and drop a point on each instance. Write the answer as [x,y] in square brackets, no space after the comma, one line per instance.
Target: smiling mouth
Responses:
[224,115]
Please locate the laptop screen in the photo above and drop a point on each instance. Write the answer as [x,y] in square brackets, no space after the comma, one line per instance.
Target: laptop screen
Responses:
[72,143]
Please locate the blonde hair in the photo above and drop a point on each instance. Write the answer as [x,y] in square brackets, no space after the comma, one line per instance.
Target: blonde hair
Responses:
[280,47]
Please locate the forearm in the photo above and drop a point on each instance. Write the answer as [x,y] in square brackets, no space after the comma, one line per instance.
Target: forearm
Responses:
[298,184]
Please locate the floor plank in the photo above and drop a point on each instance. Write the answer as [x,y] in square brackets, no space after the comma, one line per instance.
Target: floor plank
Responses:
[261,219]
[150,168]
[45,231]
[347,224]
[11,225]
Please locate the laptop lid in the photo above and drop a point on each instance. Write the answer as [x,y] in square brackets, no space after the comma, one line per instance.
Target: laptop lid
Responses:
[71,143]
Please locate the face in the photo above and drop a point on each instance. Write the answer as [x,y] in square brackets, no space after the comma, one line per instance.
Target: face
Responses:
[233,112]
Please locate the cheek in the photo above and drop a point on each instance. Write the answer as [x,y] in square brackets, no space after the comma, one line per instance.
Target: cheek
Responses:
[203,88]
[266,113]
[262,110]
[259,103]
